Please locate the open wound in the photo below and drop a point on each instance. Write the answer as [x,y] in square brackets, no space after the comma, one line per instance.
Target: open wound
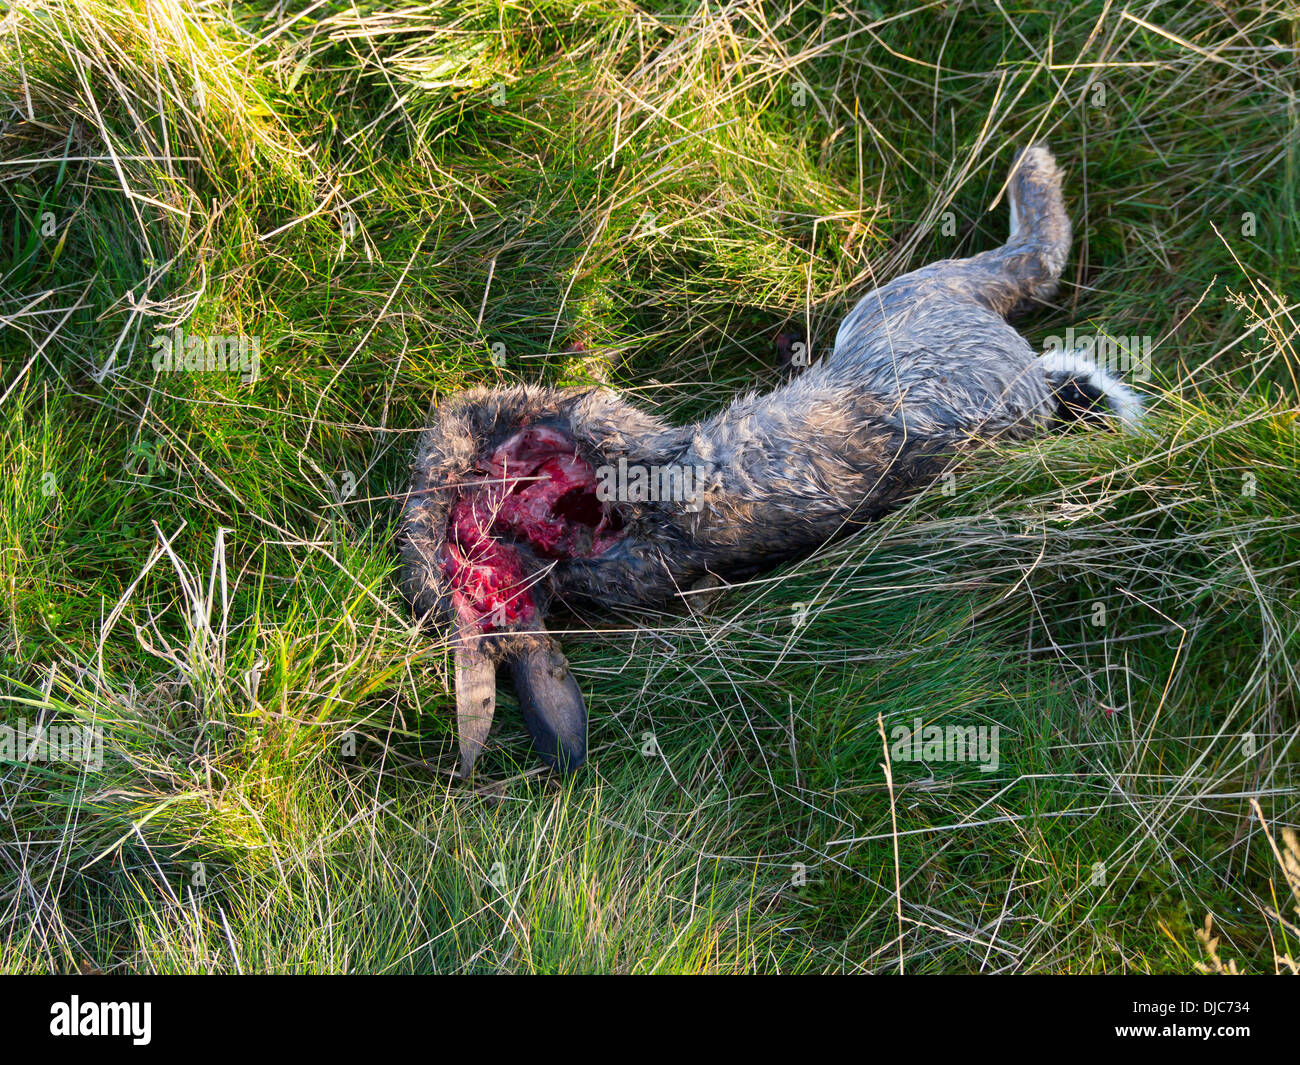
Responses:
[538,492]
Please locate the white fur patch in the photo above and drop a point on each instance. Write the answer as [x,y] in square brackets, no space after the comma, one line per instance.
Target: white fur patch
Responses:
[1124,403]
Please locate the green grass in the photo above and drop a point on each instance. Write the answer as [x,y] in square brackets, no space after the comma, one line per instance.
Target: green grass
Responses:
[203,570]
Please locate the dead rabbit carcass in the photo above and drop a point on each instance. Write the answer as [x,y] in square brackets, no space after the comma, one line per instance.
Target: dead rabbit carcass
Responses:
[509,511]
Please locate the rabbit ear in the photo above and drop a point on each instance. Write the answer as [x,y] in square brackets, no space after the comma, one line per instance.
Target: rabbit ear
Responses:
[551,702]
[476,697]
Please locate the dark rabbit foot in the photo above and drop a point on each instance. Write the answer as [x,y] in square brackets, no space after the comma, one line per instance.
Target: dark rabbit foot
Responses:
[792,350]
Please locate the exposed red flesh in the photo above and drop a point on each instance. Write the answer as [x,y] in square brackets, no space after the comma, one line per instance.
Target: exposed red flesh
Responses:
[537,491]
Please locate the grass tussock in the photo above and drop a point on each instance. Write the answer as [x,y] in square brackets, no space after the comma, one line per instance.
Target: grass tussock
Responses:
[397,201]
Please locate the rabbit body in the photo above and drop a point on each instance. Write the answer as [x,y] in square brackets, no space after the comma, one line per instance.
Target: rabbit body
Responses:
[506,516]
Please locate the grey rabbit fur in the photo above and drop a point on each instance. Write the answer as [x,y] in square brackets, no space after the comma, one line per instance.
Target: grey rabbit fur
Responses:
[510,512]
